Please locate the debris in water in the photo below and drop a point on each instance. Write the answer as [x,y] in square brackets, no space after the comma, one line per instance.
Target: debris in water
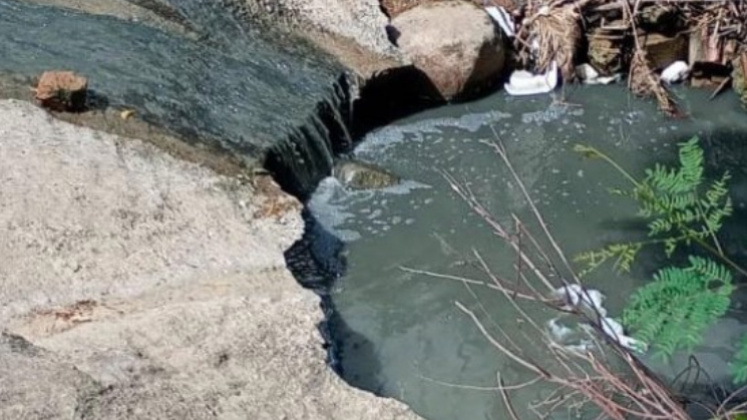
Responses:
[574,296]
[614,330]
[644,83]
[363,175]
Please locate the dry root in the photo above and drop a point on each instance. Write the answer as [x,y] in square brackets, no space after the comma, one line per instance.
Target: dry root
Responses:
[644,82]
[556,31]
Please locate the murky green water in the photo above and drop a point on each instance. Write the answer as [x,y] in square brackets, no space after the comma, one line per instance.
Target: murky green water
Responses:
[400,333]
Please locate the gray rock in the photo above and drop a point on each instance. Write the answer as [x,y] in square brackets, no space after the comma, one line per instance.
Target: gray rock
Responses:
[145,287]
[455,43]
[362,175]
[156,13]
[360,20]
[36,384]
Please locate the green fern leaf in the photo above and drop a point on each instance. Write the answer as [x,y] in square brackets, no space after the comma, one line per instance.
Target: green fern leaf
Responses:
[739,365]
[672,312]
[623,255]
[670,245]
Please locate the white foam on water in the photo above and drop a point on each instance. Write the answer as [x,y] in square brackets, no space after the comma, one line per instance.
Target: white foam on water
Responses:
[328,204]
[335,207]
[552,113]
[381,140]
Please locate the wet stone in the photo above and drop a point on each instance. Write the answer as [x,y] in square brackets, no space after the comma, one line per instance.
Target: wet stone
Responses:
[362,175]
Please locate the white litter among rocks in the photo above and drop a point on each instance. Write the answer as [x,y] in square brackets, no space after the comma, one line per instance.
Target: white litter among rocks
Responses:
[522,82]
[676,72]
[504,19]
[590,76]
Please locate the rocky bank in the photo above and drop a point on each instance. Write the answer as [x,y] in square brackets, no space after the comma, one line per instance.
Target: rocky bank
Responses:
[139,286]
[144,282]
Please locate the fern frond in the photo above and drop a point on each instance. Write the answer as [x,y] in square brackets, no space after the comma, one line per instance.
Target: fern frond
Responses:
[679,207]
[717,191]
[624,256]
[670,245]
[691,161]
[672,312]
[739,365]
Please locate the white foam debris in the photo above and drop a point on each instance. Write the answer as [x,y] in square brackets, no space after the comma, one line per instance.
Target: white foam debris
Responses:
[558,331]
[553,112]
[334,206]
[379,141]
[330,211]
[576,296]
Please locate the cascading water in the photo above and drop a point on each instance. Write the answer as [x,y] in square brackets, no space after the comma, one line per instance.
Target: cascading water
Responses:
[394,333]
[234,87]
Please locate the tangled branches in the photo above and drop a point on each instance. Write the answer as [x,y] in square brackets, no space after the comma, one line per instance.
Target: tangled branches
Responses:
[606,376]
[551,33]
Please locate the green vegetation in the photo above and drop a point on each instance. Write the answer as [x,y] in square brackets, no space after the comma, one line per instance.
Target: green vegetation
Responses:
[680,209]
[674,310]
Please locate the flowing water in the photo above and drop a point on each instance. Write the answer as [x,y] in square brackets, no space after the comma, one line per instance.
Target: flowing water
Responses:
[400,334]
[230,87]
[396,333]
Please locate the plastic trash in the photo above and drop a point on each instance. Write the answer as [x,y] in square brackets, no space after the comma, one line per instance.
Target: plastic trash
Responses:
[590,76]
[503,19]
[523,83]
[574,295]
[675,72]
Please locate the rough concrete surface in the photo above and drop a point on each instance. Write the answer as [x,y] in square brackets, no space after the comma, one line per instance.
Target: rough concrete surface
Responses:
[360,20]
[353,31]
[157,14]
[137,286]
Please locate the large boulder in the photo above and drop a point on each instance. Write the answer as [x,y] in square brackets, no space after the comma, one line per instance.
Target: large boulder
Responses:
[353,31]
[135,286]
[455,43]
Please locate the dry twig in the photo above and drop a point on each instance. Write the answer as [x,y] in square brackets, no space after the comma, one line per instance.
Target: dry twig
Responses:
[581,379]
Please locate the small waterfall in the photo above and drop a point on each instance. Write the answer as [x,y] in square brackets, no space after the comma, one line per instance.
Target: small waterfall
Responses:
[306,155]
[236,87]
